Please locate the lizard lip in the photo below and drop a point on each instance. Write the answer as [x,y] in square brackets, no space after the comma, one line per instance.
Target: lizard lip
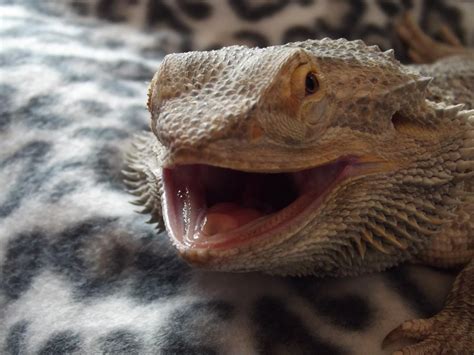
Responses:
[208,207]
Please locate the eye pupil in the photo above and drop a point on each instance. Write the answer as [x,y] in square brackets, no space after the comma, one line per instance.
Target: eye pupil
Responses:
[312,83]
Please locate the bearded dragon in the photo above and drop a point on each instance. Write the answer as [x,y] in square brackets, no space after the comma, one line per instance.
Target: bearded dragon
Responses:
[322,157]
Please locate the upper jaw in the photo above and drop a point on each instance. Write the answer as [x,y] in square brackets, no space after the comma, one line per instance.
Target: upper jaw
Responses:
[266,156]
[243,150]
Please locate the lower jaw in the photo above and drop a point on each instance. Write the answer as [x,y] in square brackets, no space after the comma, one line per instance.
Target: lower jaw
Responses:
[285,221]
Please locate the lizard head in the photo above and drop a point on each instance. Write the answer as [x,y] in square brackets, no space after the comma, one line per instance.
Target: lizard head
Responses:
[318,157]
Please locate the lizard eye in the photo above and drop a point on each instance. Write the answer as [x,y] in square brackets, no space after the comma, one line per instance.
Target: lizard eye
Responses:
[311,83]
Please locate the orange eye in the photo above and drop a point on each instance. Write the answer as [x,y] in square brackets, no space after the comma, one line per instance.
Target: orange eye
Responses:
[306,82]
[311,83]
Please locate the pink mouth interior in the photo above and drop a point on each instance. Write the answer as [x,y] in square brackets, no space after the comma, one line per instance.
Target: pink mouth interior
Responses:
[212,207]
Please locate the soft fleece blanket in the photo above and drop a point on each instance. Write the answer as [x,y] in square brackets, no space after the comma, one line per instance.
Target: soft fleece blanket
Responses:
[82,273]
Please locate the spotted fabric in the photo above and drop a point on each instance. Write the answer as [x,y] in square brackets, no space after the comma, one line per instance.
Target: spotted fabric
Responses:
[82,273]
[190,24]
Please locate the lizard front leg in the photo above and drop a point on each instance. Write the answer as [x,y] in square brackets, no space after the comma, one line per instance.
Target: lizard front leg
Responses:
[451,331]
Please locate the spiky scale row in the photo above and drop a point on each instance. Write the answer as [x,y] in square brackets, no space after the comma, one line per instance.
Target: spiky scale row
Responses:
[141,177]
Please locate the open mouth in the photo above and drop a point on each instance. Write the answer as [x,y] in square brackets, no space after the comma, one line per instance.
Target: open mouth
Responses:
[212,207]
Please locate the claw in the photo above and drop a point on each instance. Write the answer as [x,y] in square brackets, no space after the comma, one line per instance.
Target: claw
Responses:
[449,36]
[416,329]
[421,47]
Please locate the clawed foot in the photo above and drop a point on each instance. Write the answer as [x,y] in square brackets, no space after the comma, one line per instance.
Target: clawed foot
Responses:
[421,47]
[449,332]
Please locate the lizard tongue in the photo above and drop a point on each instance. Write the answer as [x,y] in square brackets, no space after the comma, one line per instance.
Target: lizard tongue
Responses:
[226,216]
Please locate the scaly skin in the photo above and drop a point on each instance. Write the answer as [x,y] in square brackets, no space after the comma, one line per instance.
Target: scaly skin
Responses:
[408,199]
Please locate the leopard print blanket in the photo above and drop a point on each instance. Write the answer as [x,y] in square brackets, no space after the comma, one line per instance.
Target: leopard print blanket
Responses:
[82,273]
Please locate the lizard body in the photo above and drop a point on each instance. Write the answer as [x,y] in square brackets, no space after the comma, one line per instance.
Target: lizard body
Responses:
[323,157]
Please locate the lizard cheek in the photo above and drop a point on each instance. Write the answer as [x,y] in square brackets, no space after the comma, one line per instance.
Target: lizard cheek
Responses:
[317,112]
[317,118]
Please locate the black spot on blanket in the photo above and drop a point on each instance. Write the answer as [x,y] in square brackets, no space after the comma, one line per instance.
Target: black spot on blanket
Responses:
[74,253]
[196,329]
[120,342]
[299,33]
[407,4]
[197,10]
[62,189]
[64,342]
[348,311]
[137,117]
[101,133]
[254,11]
[158,274]
[106,9]
[278,330]
[251,38]
[80,7]
[34,151]
[67,256]
[39,112]
[130,70]
[24,258]
[376,35]
[390,7]
[158,12]
[106,162]
[16,339]
[73,69]
[119,88]
[399,278]
[94,107]
[33,155]
[7,93]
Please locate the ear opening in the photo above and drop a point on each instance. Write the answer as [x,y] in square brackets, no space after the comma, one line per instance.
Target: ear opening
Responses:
[399,120]
[407,124]
[423,127]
